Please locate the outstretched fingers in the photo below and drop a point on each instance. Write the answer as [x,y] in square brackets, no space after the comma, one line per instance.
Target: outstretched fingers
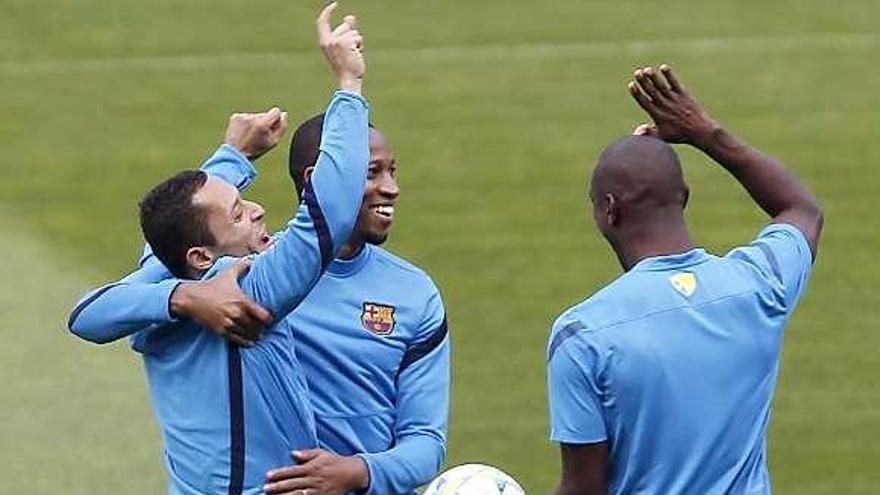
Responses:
[323,23]
[659,82]
[645,78]
[641,98]
[671,78]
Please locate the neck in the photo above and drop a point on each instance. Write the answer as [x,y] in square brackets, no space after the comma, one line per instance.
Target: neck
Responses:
[351,248]
[649,240]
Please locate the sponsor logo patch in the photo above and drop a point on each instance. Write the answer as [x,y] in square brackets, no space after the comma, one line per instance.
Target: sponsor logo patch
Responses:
[685,283]
[378,318]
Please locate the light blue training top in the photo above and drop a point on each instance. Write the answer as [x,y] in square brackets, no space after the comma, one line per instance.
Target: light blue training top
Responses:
[230,414]
[674,364]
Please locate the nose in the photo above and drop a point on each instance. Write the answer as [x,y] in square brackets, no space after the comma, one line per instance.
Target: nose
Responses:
[388,187]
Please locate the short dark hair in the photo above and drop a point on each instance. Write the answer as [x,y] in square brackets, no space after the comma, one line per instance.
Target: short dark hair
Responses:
[304,148]
[172,224]
[305,145]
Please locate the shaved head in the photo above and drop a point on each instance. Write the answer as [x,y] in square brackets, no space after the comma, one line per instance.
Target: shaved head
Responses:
[638,194]
[642,172]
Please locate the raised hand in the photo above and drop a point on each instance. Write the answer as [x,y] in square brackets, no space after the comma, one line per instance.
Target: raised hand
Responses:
[343,49]
[253,134]
[220,305]
[678,117]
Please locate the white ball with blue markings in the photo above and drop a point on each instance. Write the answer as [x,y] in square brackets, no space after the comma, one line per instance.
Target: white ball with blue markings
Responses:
[474,479]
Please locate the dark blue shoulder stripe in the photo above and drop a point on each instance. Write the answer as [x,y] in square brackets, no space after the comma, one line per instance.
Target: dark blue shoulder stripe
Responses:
[325,241]
[236,421]
[771,257]
[81,306]
[561,336]
[421,350]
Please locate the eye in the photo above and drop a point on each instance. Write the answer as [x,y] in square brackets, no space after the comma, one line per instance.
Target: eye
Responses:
[393,171]
[373,171]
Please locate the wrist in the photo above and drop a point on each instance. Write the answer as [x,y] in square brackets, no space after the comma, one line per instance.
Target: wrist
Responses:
[708,137]
[178,304]
[359,477]
[241,150]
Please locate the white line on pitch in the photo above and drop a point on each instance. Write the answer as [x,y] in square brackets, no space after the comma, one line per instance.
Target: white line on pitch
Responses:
[532,51]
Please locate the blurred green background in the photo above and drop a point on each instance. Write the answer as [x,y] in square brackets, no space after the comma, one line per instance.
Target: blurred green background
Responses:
[497,111]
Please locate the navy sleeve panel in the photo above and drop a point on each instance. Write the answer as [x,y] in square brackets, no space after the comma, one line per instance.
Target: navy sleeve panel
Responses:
[84,303]
[282,276]
[782,255]
[422,349]
[325,240]
[568,331]
[122,308]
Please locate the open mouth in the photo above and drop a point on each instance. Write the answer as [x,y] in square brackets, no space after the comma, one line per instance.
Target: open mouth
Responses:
[386,211]
[266,240]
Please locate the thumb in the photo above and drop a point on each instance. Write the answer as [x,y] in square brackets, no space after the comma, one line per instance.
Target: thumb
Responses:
[351,21]
[239,268]
[273,114]
[304,456]
[645,130]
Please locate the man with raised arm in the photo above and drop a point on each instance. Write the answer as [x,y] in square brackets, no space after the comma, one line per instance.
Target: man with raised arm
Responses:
[228,414]
[661,382]
[371,338]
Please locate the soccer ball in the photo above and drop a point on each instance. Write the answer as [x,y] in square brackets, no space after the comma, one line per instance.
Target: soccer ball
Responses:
[474,479]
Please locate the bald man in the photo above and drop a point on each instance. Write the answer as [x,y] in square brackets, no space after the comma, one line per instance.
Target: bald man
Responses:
[661,382]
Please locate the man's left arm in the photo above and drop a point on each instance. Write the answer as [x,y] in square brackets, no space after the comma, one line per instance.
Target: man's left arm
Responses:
[423,382]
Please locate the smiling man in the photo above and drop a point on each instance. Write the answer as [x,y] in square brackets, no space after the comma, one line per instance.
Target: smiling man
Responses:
[229,414]
[377,323]
[371,337]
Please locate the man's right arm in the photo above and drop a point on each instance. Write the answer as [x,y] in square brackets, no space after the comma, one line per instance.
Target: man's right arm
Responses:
[679,118]
[576,412]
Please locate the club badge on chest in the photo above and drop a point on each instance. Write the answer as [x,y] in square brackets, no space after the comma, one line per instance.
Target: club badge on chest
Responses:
[378,318]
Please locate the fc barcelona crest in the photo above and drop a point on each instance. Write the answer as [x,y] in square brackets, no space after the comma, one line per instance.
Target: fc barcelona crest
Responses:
[378,318]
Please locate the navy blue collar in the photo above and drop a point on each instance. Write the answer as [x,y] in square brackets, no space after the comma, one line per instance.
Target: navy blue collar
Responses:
[672,261]
[344,268]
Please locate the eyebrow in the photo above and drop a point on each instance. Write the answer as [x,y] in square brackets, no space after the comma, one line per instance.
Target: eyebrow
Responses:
[378,162]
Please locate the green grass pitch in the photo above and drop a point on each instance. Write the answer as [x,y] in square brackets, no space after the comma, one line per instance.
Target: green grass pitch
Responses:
[496,110]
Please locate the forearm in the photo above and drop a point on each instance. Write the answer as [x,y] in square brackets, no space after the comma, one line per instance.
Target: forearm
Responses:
[280,277]
[118,310]
[422,416]
[771,185]
[337,184]
[414,461]
[231,166]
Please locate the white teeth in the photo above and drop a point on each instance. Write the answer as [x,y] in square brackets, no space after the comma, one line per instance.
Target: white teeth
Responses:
[385,210]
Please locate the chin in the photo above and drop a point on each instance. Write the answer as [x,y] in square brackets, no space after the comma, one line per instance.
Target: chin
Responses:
[375,238]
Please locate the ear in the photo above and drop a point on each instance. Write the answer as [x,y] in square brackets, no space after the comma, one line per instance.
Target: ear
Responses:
[199,259]
[612,210]
[307,173]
